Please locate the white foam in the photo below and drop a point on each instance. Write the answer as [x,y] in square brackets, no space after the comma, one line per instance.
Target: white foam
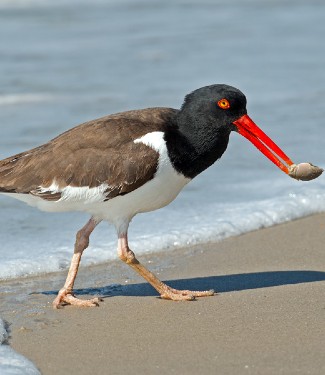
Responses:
[14,99]
[26,4]
[12,363]
[35,251]
[23,4]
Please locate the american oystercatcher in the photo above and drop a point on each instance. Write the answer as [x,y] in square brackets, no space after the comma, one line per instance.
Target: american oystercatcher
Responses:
[130,162]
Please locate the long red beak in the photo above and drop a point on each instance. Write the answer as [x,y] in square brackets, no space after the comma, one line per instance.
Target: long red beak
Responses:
[247,128]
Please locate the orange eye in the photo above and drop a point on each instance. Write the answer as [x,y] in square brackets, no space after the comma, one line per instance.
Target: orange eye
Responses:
[224,104]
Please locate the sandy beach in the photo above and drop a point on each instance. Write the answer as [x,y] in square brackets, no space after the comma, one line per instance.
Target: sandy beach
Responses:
[267,318]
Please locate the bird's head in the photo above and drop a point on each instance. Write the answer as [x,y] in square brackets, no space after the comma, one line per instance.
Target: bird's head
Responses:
[224,107]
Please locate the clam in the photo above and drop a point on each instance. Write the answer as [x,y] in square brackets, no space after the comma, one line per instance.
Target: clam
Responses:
[304,171]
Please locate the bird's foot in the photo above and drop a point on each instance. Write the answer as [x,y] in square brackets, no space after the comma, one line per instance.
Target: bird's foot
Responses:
[66,298]
[185,295]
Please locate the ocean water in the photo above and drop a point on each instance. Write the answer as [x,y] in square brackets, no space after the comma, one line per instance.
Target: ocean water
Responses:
[12,363]
[69,61]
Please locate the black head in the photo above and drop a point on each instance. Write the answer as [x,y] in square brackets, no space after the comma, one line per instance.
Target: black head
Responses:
[210,113]
[204,124]
[218,104]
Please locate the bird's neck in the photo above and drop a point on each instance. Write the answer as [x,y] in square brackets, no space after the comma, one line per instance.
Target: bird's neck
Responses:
[193,146]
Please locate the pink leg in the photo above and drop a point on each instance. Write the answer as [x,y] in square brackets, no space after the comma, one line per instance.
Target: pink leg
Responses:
[164,290]
[65,295]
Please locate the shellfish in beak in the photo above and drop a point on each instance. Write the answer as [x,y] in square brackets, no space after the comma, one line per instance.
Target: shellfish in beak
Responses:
[303,171]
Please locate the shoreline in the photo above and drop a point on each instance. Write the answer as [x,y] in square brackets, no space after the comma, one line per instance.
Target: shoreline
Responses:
[268,316]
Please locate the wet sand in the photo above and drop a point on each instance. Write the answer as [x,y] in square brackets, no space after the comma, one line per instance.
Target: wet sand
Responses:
[267,318]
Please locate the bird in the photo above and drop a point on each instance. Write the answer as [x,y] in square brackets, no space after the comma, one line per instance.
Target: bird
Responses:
[131,162]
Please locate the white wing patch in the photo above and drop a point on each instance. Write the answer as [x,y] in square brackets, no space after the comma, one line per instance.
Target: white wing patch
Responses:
[77,194]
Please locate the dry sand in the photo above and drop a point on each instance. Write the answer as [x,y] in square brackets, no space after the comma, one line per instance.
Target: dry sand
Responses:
[268,318]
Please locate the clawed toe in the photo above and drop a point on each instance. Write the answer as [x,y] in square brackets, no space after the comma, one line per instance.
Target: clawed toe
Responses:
[185,295]
[70,299]
[177,297]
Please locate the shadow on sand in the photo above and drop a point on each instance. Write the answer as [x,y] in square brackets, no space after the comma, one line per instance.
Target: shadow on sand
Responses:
[221,284]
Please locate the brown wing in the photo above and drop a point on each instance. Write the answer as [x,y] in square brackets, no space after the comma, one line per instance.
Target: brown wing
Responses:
[96,152]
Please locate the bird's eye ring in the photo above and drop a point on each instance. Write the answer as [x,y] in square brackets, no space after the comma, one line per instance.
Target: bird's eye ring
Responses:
[224,104]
